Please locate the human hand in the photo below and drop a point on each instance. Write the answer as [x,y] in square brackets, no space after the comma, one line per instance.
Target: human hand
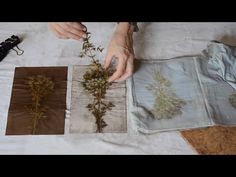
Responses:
[121,48]
[69,30]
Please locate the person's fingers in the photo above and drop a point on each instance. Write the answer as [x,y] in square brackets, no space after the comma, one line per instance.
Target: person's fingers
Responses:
[75,29]
[123,77]
[77,33]
[71,32]
[78,26]
[52,27]
[60,29]
[128,71]
[108,60]
[61,36]
[58,33]
[120,70]
[73,36]
[65,33]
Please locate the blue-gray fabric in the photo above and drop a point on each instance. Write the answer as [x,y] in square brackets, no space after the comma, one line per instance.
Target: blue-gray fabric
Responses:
[222,62]
[205,82]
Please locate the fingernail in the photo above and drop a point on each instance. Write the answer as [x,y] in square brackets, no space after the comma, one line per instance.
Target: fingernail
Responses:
[84,29]
[84,35]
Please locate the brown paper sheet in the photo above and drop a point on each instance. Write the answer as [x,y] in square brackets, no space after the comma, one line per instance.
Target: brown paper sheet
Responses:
[20,120]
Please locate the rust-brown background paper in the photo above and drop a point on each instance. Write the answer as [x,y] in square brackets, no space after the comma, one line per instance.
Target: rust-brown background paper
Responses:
[19,120]
[215,140]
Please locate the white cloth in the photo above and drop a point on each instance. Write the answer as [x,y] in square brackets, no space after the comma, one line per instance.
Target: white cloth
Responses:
[42,48]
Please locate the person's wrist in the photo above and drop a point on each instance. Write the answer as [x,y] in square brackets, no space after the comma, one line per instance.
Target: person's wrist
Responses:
[125,28]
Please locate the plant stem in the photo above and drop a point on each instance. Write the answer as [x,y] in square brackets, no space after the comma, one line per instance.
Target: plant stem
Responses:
[99,124]
[36,115]
[95,81]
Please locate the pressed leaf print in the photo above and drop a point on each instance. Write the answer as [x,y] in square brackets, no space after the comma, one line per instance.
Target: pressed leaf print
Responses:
[167,104]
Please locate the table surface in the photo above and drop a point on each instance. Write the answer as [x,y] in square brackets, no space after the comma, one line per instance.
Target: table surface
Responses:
[153,41]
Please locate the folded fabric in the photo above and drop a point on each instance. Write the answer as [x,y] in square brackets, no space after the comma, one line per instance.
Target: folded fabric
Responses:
[222,62]
[184,92]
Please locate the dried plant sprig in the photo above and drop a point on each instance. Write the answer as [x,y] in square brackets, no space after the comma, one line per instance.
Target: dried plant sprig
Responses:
[89,48]
[95,81]
[167,104]
[39,87]
[232,100]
